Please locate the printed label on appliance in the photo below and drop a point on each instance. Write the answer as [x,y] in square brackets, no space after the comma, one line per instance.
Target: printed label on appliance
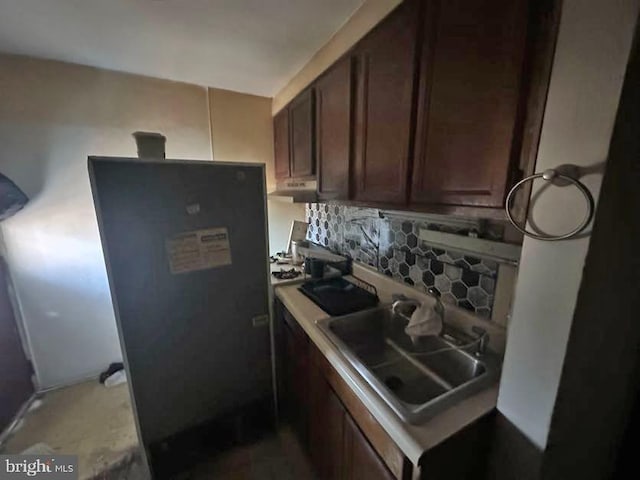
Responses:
[199,250]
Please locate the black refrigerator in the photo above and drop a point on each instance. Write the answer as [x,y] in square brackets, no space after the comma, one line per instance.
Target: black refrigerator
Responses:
[186,251]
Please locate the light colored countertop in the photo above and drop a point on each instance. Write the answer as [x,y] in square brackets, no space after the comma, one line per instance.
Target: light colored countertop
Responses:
[413,440]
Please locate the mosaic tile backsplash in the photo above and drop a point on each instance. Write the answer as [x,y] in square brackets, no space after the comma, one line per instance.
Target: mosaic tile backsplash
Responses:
[392,245]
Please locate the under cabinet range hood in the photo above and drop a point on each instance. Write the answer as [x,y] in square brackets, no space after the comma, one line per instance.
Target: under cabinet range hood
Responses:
[295,191]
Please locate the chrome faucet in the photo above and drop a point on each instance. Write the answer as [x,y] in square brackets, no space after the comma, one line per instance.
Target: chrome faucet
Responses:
[438,307]
[399,301]
[481,340]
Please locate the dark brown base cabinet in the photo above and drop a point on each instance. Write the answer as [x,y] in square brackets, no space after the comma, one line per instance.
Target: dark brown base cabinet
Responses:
[294,398]
[336,446]
[361,460]
[342,438]
[326,428]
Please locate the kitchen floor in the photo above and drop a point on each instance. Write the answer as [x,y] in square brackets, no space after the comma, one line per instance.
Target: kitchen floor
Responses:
[88,420]
[96,423]
[278,457]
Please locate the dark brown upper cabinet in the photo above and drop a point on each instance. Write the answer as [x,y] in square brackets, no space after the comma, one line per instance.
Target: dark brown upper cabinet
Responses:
[470,93]
[385,77]
[438,108]
[294,138]
[281,144]
[333,130]
[301,117]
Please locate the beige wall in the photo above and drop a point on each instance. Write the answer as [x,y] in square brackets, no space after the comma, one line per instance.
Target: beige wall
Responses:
[52,116]
[363,20]
[591,57]
[242,131]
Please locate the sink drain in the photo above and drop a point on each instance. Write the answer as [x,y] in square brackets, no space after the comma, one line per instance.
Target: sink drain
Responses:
[394,383]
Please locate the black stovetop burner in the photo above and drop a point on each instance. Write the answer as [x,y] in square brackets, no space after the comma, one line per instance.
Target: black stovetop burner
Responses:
[287,274]
[338,296]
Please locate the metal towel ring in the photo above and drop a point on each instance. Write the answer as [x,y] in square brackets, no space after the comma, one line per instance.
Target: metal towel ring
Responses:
[550,175]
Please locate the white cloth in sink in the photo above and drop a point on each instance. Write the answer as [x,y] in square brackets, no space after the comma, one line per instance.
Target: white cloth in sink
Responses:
[424,321]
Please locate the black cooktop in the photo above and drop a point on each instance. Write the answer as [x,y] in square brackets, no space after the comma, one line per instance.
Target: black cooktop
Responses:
[338,296]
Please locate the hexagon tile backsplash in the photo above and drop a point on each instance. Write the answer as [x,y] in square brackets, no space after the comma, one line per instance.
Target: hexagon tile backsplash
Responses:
[392,245]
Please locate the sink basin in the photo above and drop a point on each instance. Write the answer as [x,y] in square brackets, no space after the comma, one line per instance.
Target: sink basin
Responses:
[416,378]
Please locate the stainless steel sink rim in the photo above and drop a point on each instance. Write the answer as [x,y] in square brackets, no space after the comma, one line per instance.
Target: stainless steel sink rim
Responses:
[411,412]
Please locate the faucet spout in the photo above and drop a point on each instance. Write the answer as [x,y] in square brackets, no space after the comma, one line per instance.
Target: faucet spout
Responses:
[425,320]
[396,307]
[438,307]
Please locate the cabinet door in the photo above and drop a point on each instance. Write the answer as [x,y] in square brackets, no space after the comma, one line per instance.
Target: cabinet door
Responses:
[302,137]
[333,131]
[385,77]
[326,427]
[361,459]
[281,144]
[470,91]
[295,395]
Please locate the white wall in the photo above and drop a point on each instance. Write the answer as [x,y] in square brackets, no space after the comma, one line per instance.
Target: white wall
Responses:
[591,56]
[52,115]
[281,214]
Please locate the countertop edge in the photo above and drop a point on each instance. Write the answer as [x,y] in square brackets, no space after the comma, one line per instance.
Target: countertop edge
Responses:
[412,440]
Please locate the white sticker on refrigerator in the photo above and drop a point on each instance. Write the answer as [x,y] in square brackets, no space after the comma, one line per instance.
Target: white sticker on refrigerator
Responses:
[199,250]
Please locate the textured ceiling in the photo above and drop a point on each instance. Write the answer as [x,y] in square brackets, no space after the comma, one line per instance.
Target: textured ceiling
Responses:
[252,46]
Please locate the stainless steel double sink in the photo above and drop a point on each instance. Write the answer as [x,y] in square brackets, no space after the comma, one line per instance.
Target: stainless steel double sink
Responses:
[417,377]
